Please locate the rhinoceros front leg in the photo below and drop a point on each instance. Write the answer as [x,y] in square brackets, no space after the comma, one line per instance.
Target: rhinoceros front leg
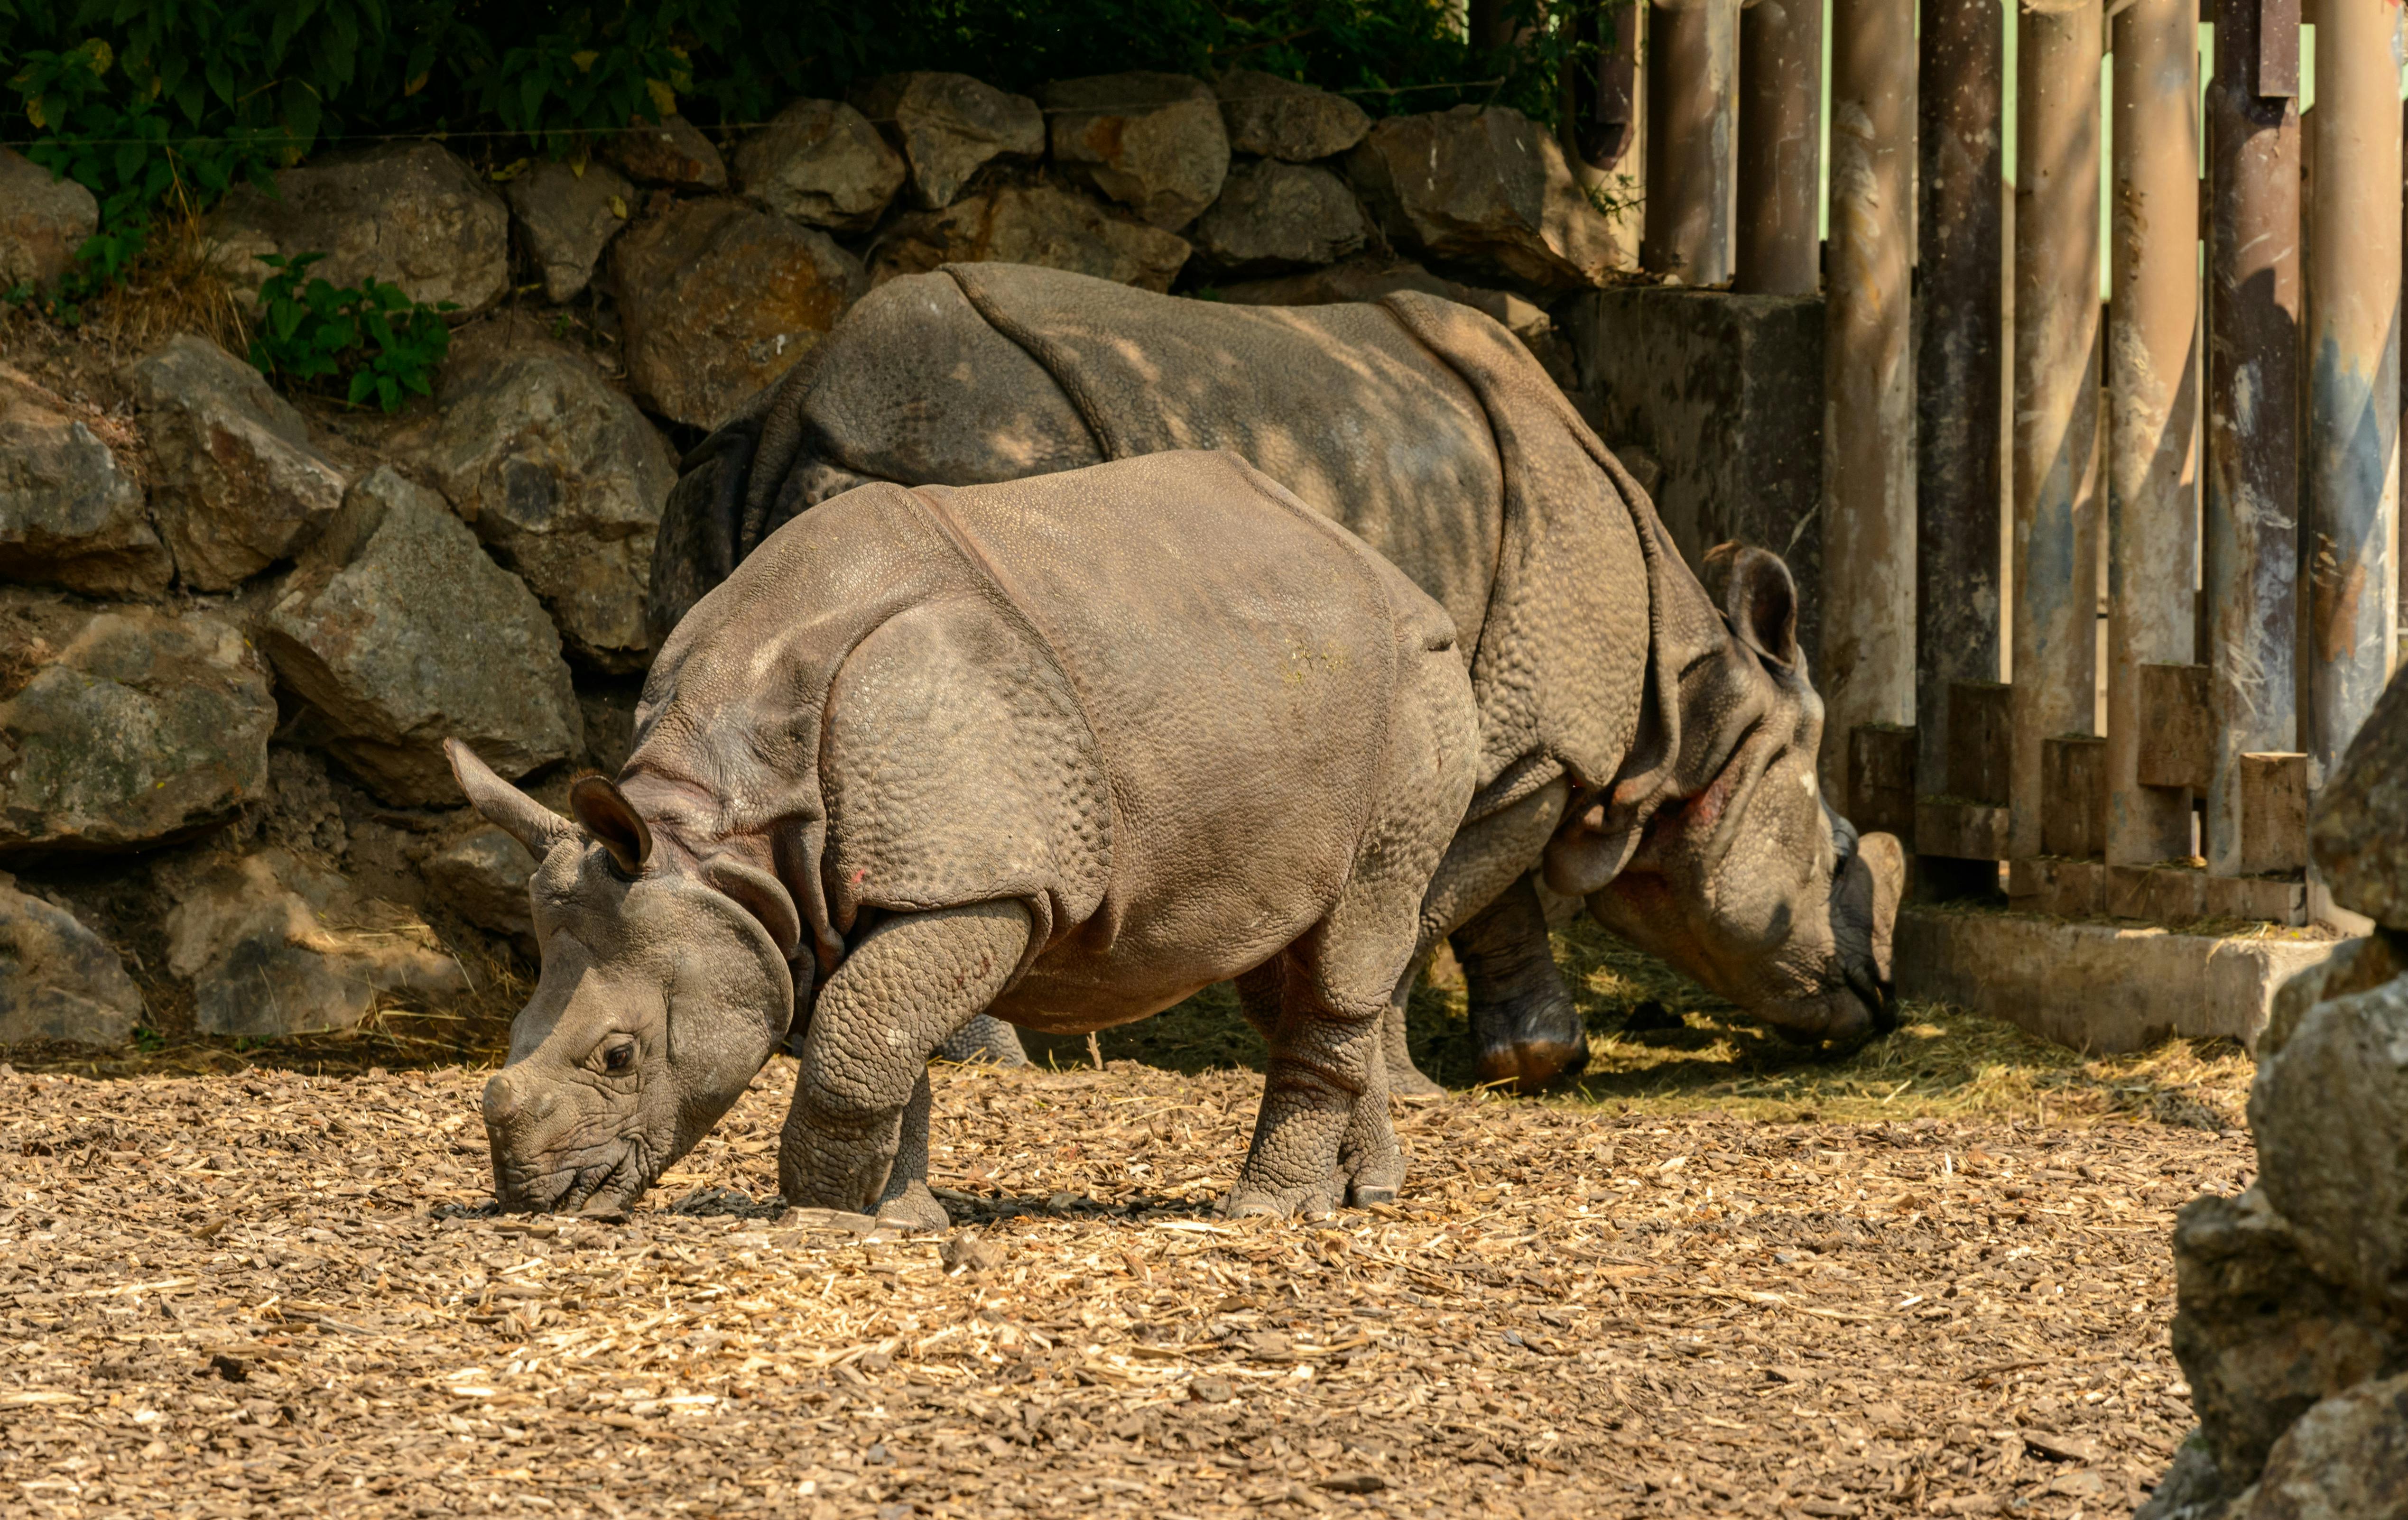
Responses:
[1523,1020]
[911,981]
[984,1039]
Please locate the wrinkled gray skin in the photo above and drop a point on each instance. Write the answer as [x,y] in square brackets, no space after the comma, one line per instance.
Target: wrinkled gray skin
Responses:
[1691,823]
[1061,751]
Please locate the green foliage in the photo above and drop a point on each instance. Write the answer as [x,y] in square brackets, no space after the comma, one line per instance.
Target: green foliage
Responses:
[374,340]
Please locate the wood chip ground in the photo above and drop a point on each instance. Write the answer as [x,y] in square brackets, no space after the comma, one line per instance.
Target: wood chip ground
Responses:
[232,1289]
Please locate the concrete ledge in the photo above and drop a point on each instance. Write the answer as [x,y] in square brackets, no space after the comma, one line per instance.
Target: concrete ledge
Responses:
[2098,987]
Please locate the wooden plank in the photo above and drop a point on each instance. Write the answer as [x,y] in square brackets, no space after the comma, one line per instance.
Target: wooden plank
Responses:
[2073,796]
[1980,741]
[2177,726]
[2273,813]
[1957,830]
[2278,48]
[1881,779]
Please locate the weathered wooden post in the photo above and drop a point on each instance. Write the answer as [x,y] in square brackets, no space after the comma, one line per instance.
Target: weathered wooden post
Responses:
[2152,388]
[2252,474]
[1960,375]
[1780,146]
[2057,397]
[1868,670]
[1692,141]
[2353,351]
[1604,117]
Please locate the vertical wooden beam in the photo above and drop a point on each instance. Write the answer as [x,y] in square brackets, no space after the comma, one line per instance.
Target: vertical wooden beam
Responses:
[1692,141]
[1868,674]
[1959,376]
[2154,391]
[2057,393]
[2353,351]
[2251,520]
[1781,147]
[1604,129]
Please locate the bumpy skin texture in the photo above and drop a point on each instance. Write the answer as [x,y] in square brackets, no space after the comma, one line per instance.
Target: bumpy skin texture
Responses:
[1614,688]
[1062,751]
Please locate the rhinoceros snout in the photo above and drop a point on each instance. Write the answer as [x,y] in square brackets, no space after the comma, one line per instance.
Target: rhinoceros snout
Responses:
[512,1103]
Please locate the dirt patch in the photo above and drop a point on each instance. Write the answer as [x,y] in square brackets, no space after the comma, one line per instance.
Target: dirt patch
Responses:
[262,1290]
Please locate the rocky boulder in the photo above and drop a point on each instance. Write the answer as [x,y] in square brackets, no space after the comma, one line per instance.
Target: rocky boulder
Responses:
[274,946]
[673,153]
[58,979]
[720,298]
[482,877]
[43,221]
[821,162]
[398,632]
[235,485]
[565,218]
[1034,224]
[2360,828]
[2346,1458]
[126,727]
[1153,142]
[72,512]
[560,476]
[1277,118]
[1273,216]
[950,127]
[409,213]
[1483,186]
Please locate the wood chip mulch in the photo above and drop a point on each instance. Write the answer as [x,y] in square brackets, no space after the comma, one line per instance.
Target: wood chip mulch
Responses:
[273,1292]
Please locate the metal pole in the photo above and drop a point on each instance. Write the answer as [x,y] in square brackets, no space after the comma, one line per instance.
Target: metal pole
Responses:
[2152,388]
[1605,117]
[1781,147]
[2253,469]
[1869,378]
[1958,376]
[2352,479]
[1692,141]
[2056,394]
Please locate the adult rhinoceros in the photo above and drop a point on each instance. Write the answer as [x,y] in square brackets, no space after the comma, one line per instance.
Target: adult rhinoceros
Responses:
[1646,744]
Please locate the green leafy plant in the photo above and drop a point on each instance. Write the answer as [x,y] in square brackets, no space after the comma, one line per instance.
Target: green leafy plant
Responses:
[371,341]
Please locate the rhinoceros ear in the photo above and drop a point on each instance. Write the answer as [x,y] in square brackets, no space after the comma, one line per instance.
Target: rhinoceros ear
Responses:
[1755,592]
[614,821]
[504,806]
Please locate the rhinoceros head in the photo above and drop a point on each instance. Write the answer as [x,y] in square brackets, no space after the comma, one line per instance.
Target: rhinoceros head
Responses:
[666,986]
[1724,858]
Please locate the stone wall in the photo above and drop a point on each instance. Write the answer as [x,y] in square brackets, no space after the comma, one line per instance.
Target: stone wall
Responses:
[235,626]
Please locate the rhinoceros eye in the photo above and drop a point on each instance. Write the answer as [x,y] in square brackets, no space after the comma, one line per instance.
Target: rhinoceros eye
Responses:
[619,1057]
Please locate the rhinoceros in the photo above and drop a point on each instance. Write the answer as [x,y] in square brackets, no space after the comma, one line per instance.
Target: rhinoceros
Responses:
[1064,750]
[1647,740]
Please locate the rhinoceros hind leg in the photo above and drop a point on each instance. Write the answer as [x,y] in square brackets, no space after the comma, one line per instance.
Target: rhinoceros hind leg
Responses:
[1405,1080]
[1522,1017]
[1370,1164]
[984,1039]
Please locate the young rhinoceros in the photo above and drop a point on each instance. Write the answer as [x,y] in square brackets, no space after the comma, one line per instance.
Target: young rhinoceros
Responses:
[1067,750]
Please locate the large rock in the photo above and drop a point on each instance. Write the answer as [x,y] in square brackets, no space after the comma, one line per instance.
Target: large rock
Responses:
[2359,830]
[274,946]
[482,877]
[1153,142]
[1485,186]
[565,218]
[2345,1459]
[1274,216]
[1281,119]
[399,632]
[235,485]
[1037,224]
[2261,1336]
[673,152]
[821,162]
[43,221]
[949,127]
[125,726]
[58,979]
[408,214]
[720,298]
[71,513]
[561,477]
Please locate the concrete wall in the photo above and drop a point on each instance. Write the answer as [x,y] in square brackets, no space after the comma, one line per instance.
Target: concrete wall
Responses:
[1726,392]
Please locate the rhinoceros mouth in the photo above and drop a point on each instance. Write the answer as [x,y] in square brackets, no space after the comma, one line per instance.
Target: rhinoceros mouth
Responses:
[604,1185]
